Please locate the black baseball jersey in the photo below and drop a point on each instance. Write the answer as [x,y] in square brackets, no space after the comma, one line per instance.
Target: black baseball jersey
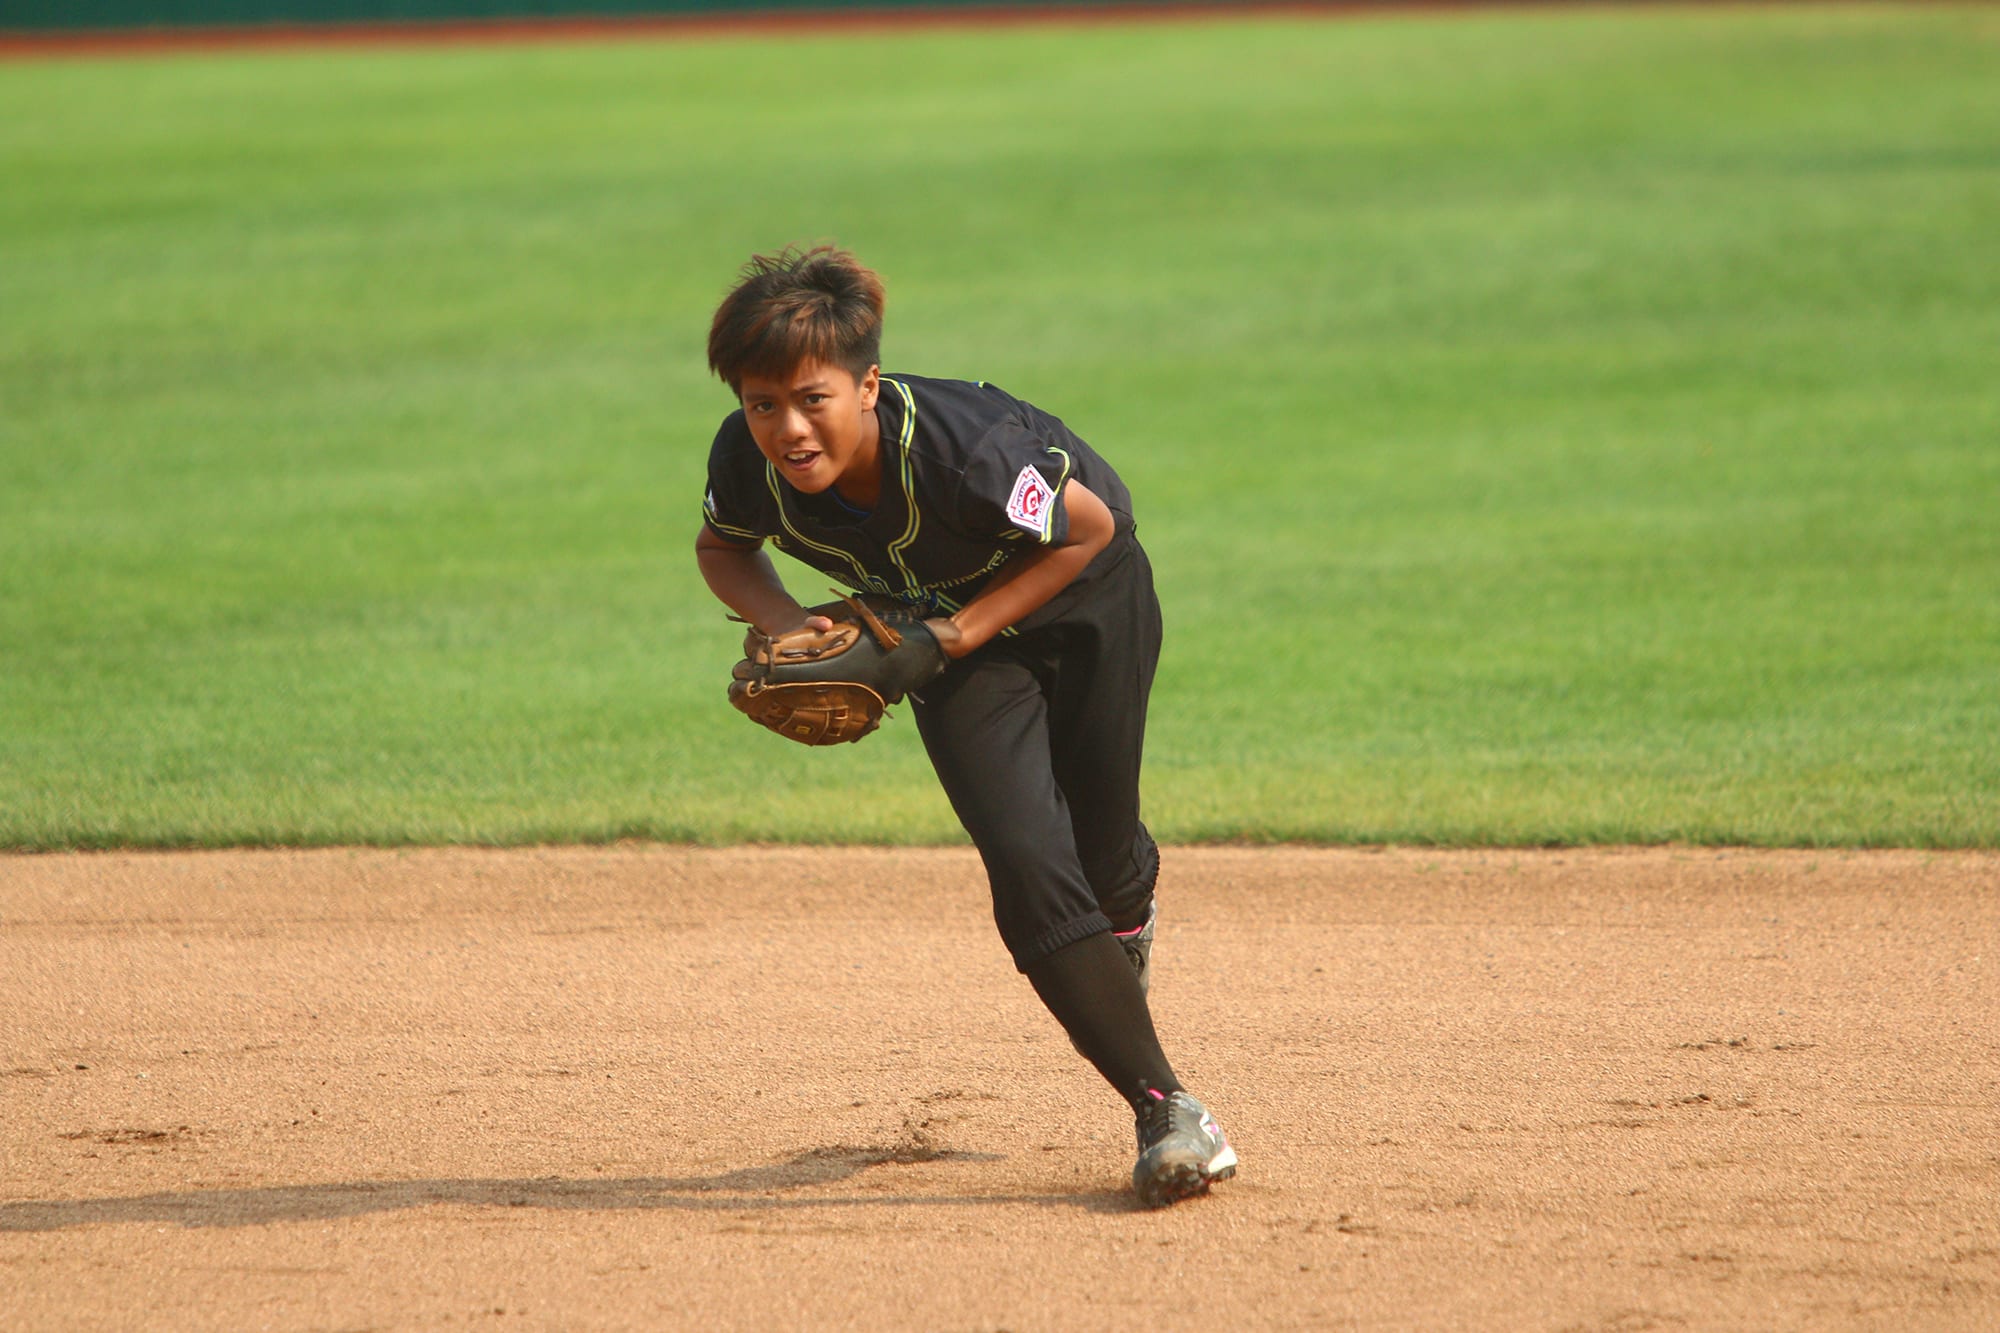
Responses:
[971,476]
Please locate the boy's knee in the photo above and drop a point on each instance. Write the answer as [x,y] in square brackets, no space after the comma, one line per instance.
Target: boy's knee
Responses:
[1123,883]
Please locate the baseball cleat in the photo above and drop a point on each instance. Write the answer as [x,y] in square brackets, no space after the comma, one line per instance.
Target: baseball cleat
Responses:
[1138,947]
[1182,1151]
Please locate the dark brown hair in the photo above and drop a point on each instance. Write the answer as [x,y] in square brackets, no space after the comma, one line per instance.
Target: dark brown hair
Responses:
[793,307]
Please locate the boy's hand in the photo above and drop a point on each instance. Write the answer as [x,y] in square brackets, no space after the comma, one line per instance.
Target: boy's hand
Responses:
[799,624]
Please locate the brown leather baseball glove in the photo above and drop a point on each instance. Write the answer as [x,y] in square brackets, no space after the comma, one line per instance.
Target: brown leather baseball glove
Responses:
[822,687]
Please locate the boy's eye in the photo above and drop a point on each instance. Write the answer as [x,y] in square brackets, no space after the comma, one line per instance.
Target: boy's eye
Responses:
[815,399]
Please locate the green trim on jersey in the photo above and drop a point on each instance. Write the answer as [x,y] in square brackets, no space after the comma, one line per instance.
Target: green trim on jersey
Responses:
[708,514]
[909,480]
[862,578]
[1049,529]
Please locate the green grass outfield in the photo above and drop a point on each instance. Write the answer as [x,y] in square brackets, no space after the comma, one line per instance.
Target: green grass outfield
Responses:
[1549,427]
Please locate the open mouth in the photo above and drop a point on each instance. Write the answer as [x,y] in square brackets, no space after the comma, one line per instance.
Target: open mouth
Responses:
[802,459]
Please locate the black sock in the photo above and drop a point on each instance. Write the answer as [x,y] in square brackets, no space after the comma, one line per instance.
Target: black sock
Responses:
[1090,989]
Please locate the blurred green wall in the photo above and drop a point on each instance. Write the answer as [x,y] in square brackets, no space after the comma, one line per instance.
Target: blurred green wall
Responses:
[31,15]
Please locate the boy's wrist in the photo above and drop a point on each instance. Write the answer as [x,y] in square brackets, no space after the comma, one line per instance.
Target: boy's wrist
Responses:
[949,635]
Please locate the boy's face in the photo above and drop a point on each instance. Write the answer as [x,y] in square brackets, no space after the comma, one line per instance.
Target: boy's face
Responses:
[816,425]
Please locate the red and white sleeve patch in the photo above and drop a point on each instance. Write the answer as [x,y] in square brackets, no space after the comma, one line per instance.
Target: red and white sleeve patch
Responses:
[1032,503]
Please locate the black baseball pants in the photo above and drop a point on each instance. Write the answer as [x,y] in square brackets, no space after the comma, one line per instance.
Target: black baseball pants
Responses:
[1037,739]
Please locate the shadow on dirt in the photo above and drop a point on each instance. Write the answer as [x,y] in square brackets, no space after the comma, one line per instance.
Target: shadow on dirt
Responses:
[746,1190]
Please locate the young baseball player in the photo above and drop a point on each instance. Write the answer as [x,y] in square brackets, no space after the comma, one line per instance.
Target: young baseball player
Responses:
[1015,541]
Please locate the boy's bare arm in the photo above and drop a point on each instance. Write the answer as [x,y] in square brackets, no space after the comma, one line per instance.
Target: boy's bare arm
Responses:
[744,580]
[1025,583]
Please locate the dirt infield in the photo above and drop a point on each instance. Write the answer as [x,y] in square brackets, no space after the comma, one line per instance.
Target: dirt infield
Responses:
[651,1087]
